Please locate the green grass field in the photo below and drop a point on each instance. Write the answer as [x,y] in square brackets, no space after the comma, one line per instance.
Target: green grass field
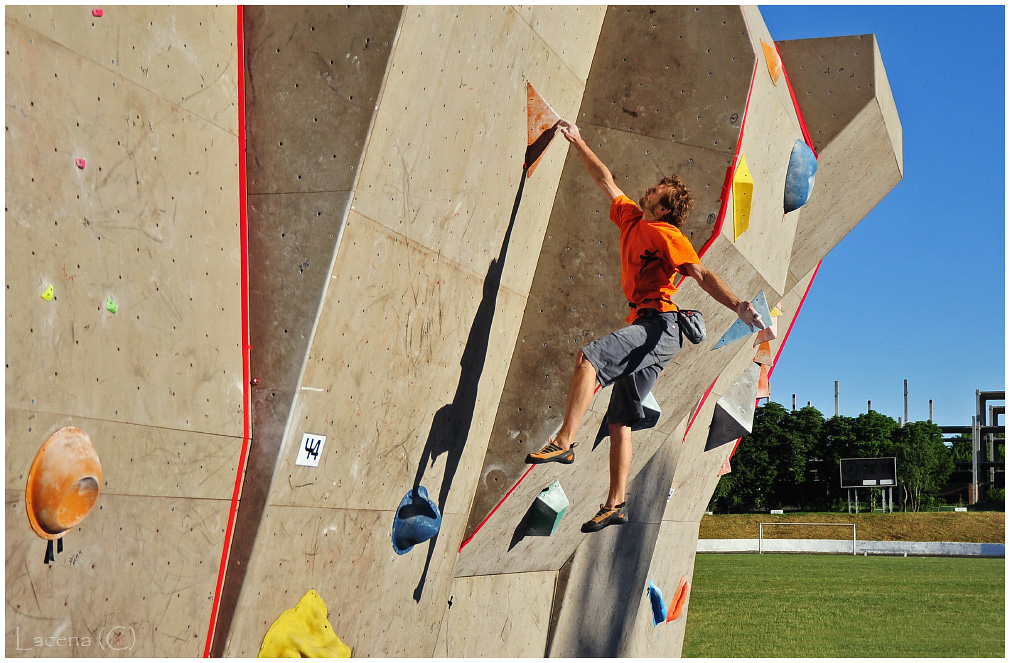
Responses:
[785,605]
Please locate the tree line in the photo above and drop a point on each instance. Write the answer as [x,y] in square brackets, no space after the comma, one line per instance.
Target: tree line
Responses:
[790,460]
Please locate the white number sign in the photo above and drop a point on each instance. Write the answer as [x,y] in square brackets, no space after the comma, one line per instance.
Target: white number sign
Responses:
[310,450]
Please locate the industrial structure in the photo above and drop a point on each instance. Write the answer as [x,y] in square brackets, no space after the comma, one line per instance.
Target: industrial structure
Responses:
[986,468]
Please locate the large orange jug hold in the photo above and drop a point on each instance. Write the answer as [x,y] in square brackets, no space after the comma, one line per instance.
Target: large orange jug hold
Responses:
[63,484]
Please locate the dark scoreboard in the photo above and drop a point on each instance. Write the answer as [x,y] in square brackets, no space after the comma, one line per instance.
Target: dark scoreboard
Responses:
[868,472]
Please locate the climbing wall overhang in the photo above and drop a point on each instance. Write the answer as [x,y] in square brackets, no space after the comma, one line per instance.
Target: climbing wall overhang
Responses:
[576,294]
[760,258]
[856,133]
[713,62]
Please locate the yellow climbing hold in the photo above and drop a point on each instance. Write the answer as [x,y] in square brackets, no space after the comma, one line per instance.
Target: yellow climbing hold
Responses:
[303,632]
[47,294]
[743,190]
[776,312]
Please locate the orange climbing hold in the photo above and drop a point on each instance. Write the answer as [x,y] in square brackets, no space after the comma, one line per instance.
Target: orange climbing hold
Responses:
[764,353]
[764,389]
[679,599]
[63,483]
[541,127]
[773,61]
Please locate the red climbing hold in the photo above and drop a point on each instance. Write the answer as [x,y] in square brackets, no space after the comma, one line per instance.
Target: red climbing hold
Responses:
[541,127]
[80,163]
[97,13]
[679,599]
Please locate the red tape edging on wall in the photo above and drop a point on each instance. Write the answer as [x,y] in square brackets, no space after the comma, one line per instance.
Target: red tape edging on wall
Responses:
[793,321]
[698,409]
[810,144]
[243,251]
[502,500]
[796,105]
[488,517]
[728,182]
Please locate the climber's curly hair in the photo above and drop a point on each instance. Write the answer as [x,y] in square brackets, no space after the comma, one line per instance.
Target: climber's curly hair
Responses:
[677,198]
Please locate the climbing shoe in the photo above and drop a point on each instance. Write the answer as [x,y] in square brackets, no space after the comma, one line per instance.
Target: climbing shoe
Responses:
[617,515]
[552,453]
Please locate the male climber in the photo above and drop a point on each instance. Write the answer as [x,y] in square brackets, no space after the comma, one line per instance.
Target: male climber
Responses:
[653,250]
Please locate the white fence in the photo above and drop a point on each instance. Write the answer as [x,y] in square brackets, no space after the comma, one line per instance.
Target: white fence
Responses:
[762,525]
[899,548]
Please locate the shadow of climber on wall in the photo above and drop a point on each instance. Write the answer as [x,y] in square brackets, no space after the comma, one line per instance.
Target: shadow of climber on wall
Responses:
[450,427]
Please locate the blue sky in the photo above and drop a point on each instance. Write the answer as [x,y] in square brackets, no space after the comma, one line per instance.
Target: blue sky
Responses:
[917,290]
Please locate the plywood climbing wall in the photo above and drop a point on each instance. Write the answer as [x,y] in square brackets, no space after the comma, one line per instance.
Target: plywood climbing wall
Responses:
[412,300]
[312,78]
[405,363]
[122,194]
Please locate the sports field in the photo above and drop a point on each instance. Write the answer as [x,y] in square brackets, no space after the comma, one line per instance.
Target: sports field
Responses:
[786,605]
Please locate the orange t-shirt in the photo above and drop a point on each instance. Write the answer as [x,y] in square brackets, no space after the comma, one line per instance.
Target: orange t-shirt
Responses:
[651,252]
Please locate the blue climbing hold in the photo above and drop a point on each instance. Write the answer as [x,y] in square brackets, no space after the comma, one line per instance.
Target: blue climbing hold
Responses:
[658,606]
[740,330]
[799,176]
[417,520]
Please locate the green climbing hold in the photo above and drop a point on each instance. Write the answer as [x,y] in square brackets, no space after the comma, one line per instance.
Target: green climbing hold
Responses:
[48,293]
[547,511]
[110,305]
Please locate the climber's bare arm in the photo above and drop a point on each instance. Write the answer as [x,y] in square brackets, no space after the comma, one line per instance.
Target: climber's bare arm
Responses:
[599,172]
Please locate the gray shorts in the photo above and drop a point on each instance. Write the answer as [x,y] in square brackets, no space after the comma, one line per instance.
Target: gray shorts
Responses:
[631,359]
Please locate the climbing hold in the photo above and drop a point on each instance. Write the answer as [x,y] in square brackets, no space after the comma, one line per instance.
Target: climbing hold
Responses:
[548,510]
[725,469]
[417,520]
[80,163]
[110,306]
[764,353]
[650,412]
[776,311]
[764,389]
[773,61]
[303,631]
[743,191]
[734,412]
[679,599]
[769,332]
[47,294]
[541,127]
[799,176]
[658,607]
[97,13]
[63,483]
[739,329]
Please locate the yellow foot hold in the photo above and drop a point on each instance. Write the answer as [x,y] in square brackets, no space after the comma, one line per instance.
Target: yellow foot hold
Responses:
[304,632]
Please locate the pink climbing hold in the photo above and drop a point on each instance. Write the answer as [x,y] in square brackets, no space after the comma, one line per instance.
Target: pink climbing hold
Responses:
[80,163]
[97,13]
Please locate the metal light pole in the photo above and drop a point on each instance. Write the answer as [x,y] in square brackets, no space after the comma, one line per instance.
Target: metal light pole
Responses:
[975,453]
[906,402]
